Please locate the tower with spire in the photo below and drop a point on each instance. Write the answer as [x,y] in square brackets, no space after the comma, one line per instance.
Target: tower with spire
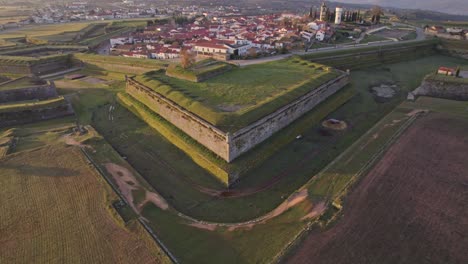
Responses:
[323,12]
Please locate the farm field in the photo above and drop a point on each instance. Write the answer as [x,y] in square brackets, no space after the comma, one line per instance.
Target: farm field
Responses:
[89,33]
[408,207]
[42,30]
[56,208]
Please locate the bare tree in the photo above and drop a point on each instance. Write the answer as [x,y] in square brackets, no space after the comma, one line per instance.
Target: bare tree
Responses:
[187,58]
[376,12]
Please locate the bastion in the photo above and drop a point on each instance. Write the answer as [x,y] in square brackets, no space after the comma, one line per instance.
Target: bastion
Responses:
[233,112]
[448,87]
[30,99]
[37,60]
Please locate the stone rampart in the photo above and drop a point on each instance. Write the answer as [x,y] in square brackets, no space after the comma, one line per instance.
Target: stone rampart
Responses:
[246,138]
[29,116]
[39,92]
[203,132]
[455,90]
[225,145]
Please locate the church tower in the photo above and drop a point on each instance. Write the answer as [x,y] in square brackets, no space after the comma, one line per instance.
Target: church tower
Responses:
[323,12]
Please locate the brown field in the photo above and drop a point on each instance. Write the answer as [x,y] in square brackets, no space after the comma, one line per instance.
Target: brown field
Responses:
[54,208]
[412,207]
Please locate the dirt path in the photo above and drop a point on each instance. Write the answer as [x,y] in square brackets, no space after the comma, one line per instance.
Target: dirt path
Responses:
[127,183]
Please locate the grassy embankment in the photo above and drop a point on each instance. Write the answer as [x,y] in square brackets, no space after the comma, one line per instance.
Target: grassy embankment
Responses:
[32,105]
[366,57]
[200,71]
[56,208]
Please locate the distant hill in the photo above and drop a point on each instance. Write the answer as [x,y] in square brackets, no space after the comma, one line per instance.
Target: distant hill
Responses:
[458,7]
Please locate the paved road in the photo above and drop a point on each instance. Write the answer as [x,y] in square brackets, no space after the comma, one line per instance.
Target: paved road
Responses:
[419,31]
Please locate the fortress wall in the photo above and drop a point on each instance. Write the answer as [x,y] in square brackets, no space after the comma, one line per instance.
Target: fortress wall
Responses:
[34,67]
[443,89]
[15,68]
[252,135]
[41,92]
[30,116]
[230,146]
[194,126]
[365,59]
[46,67]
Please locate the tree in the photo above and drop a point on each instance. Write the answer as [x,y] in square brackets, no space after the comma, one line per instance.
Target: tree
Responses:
[376,12]
[187,58]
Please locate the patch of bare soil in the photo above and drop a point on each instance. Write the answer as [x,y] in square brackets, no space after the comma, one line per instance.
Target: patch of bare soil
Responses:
[334,124]
[292,201]
[94,80]
[412,207]
[127,183]
[317,210]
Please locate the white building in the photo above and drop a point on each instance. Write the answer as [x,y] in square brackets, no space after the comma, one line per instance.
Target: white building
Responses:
[320,36]
[338,14]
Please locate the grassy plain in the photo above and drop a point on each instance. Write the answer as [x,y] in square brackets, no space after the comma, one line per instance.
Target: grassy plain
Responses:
[40,31]
[56,208]
[372,38]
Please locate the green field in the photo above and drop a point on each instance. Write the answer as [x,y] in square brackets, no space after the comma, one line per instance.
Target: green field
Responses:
[57,209]
[372,38]
[243,95]
[200,71]
[42,31]
[90,33]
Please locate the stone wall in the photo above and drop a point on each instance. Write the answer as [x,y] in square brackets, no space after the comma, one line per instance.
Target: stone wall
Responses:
[14,68]
[443,89]
[203,132]
[246,138]
[225,145]
[34,67]
[29,116]
[40,92]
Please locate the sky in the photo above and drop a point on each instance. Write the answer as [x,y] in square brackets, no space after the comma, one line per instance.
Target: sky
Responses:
[459,7]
